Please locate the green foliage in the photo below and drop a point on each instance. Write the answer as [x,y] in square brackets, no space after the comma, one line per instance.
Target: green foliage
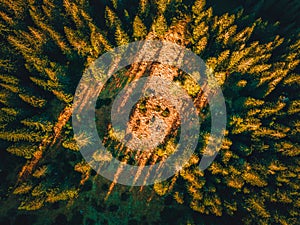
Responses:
[139,29]
[70,144]
[120,36]
[38,124]
[33,100]
[254,179]
[54,195]
[23,188]
[159,26]
[23,150]
[21,135]
[40,172]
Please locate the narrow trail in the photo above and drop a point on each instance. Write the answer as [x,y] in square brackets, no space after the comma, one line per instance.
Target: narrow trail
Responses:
[46,143]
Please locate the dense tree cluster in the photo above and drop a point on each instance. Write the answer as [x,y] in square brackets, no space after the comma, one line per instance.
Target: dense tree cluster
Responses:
[47,44]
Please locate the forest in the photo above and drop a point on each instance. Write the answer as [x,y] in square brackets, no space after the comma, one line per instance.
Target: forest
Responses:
[252,49]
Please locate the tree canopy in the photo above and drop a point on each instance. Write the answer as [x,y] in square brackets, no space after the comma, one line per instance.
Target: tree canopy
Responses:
[47,44]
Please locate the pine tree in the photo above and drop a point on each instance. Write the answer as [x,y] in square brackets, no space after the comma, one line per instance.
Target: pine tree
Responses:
[159,25]
[139,29]
[120,36]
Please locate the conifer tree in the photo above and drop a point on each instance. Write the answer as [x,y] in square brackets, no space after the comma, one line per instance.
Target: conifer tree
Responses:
[159,25]
[139,29]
